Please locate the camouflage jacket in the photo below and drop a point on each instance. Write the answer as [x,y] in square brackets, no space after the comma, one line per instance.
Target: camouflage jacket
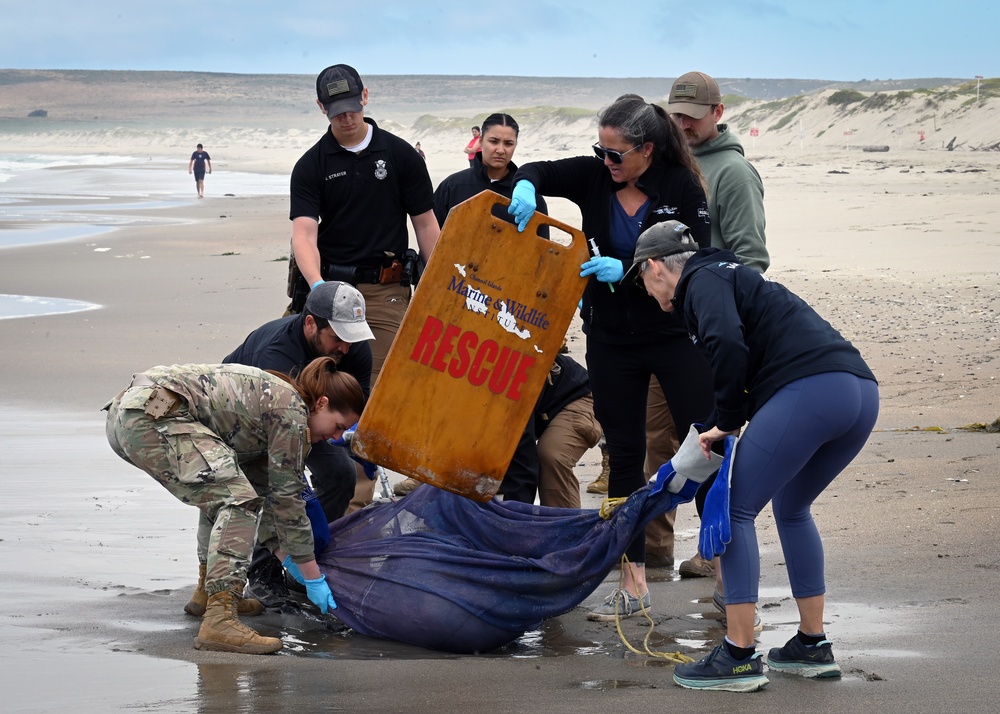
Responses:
[265,422]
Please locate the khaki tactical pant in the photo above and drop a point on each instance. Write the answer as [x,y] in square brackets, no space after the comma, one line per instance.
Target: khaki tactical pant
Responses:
[570,433]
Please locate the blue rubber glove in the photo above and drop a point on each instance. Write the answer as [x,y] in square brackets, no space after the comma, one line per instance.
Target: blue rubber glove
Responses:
[607,270]
[293,570]
[715,530]
[345,439]
[522,203]
[319,594]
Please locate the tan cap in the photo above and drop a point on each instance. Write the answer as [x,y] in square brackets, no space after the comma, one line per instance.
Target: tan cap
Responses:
[693,94]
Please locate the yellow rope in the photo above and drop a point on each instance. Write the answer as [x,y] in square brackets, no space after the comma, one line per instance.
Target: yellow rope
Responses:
[609,505]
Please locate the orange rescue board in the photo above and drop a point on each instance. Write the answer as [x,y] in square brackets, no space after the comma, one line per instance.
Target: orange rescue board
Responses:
[473,351]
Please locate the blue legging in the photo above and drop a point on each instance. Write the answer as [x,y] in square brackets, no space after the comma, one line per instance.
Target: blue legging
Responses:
[792,449]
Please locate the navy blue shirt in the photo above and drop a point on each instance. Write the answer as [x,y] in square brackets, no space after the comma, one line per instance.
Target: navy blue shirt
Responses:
[759,336]
[281,345]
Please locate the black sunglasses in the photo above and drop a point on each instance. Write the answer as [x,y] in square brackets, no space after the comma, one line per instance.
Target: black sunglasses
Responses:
[615,156]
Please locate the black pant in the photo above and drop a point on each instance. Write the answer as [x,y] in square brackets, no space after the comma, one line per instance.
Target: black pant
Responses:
[619,380]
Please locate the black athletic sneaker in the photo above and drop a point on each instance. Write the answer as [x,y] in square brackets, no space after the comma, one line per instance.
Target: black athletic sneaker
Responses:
[804,660]
[720,672]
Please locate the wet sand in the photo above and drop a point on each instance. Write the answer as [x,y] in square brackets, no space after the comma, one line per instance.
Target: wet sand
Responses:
[98,561]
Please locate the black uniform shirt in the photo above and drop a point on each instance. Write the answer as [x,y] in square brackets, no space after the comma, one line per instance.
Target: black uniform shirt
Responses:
[361,200]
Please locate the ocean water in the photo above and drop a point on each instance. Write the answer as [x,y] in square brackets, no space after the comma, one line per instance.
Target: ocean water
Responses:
[12,306]
[48,198]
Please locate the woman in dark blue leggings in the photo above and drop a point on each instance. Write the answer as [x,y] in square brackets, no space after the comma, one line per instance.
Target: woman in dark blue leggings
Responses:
[811,402]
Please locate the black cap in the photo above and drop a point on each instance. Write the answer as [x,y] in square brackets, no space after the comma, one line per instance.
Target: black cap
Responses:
[339,89]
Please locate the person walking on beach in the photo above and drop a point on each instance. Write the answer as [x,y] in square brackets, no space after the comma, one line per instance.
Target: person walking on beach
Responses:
[351,194]
[644,174]
[735,201]
[811,402]
[473,147]
[200,160]
[231,440]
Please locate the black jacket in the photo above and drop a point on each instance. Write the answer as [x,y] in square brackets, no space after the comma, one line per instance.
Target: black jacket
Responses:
[628,315]
[470,182]
[281,345]
[759,336]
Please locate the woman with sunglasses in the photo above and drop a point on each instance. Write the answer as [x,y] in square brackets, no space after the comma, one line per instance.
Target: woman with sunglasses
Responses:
[644,174]
[232,441]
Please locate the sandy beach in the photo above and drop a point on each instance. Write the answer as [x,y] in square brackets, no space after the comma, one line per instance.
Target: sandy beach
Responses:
[900,250]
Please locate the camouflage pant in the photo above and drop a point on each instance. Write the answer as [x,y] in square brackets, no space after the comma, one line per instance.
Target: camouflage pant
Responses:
[198,468]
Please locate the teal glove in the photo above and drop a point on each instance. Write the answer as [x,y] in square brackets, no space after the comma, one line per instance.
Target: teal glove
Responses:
[293,570]
[522,203]
[715,530]
[319,594]
[607,270]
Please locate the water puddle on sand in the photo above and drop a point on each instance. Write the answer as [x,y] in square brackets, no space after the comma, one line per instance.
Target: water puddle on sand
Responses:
[12,306]
[308,635]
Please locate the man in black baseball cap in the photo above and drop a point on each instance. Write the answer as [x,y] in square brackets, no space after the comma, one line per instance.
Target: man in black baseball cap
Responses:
[352,194]
[339,90]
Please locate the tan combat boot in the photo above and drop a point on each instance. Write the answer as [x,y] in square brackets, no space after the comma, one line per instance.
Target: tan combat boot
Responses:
[600,484]
[222,631]
[199,600]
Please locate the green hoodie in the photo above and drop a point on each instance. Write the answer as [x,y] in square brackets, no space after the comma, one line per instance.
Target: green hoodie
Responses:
[735,199]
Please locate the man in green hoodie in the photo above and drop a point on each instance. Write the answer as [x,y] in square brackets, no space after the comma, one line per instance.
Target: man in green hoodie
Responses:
[735,202]
[735,191]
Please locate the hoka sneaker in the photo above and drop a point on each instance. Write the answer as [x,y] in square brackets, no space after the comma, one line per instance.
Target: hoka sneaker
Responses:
[619,604]
[718,671]
[804,660]
[720,604]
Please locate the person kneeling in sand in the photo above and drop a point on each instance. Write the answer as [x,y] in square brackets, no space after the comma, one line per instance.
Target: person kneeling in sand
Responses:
[232,441]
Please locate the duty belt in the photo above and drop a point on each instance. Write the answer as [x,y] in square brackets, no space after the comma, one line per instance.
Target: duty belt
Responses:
[354,274]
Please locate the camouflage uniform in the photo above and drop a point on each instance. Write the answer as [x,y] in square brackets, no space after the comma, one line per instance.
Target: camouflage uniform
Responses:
[232,442]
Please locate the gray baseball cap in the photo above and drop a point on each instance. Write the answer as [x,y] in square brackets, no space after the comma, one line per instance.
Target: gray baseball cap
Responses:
[343,307]
[661,240]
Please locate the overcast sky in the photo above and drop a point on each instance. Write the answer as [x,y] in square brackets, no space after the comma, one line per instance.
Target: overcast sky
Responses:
[805,39]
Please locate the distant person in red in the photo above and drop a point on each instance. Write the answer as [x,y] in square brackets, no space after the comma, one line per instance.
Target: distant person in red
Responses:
[199,161]
[474,146]
[420,151]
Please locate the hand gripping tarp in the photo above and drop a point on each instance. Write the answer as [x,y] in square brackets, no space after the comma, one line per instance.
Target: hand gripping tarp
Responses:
[447,573]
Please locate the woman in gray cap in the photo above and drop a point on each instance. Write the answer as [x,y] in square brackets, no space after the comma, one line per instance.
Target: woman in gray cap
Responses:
[811,402]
